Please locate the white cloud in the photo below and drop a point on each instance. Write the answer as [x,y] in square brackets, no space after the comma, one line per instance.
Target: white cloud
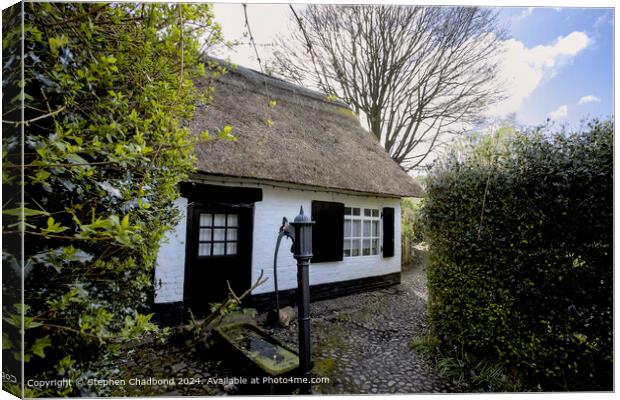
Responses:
[589,99]
[605,19]
[559,113]
[524,14]
[523,69]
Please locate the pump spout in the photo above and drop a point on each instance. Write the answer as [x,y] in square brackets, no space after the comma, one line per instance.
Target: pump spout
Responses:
[285,231]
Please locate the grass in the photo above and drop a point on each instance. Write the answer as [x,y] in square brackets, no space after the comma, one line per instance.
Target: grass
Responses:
[462,368]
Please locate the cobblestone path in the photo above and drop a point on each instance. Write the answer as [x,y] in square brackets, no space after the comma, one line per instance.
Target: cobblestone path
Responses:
[361,342]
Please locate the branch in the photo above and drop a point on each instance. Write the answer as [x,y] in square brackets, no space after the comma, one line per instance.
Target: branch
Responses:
[79,332]
[198,326]
[64,237]
[247,24]
[182,47]
[26,122]
[59,165]
[303,31]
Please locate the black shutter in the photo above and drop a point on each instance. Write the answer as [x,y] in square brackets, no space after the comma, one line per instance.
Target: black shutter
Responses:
[327,232]
[388,232]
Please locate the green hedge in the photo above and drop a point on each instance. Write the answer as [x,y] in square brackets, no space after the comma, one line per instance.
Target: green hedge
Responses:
[520,228]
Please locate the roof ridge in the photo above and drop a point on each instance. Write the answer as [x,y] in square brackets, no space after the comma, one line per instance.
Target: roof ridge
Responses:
[254,75]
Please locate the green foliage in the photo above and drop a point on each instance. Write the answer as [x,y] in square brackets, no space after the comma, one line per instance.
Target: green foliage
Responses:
[479,375]
[520,229]
[428,345]
[226,133]
[410,221]
[463,368]
[410,228]
[108,93]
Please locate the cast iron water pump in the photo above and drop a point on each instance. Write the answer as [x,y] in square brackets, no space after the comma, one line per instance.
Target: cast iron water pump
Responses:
[302,251]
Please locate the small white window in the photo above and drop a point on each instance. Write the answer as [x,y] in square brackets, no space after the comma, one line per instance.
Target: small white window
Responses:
[217,235]
[361,231]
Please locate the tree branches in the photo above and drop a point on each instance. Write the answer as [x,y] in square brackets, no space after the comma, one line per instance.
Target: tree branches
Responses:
[415,74]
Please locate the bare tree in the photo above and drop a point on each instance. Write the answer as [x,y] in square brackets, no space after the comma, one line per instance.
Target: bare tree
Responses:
[414,73]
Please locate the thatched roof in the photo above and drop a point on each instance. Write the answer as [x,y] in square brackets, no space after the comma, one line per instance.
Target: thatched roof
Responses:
[311,141]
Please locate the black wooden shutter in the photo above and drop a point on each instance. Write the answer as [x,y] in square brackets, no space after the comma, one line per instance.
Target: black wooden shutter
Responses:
[327,232]
[388,232]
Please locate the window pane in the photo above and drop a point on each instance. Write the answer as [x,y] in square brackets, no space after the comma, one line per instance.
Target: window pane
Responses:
[232,234]
[205,235]
[218,249]
[220,220]
[204,249]
[366,229]
[355,248]
[205,219]
[375,213]
[231,249]
[218,234]
[347,228]
[375,228]
[366,247]
[347,211]
[232,220]
[356,211]
[375,247]
[366,212]
[347,248]
[357,228]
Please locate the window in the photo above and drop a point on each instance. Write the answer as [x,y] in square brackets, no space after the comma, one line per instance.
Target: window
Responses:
[361,231]
[218,234]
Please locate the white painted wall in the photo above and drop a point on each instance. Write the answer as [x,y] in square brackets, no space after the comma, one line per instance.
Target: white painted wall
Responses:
[282,202]
[170,265]
[268,213]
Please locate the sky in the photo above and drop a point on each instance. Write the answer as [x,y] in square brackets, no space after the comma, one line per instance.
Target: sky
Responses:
[561,62]
[557,61]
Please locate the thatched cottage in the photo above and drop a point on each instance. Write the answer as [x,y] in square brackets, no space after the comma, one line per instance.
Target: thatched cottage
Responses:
[306,150]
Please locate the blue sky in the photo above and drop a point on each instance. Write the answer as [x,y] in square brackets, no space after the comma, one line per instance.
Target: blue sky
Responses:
[586,74]
[558,62]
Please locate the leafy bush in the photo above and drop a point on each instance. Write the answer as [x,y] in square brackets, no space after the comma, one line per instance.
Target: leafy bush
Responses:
[410,228]
[107,90]
[520,229]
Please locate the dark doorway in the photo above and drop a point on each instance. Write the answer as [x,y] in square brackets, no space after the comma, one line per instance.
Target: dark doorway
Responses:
[219,244]
[220,250]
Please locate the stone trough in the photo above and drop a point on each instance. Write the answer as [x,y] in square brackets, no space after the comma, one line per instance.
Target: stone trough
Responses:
[260,354]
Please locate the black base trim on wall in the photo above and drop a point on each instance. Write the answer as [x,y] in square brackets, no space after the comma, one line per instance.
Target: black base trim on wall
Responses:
[266,301]
[174,314]
[169,314]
